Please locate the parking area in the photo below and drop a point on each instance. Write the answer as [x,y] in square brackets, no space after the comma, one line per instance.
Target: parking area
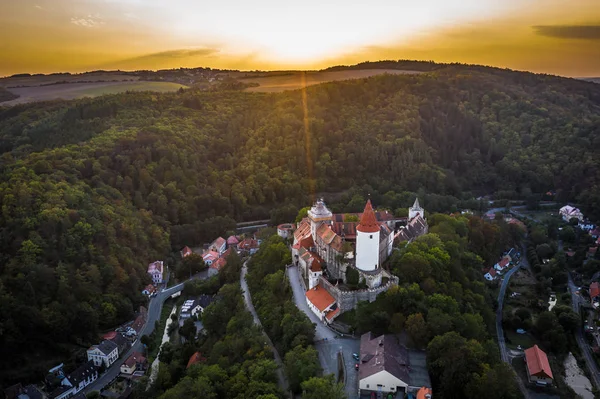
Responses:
[328,353]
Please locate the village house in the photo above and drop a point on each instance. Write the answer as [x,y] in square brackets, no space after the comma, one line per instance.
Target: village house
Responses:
[322,303]
[83,376]
[248,246]
[123,344]
[502,264]
[424,393]
[186,251]
[232,241]
[195,358]
[386,366]
[136,363]
[149,290]
[18,391]
[140,320]
[538,367]
[210,257]
[107,352]
[219,245]
[155,270]
[568,212]
[491,274]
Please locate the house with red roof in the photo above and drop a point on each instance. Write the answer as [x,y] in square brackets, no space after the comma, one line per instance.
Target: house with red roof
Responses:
[155,270]
[322,303]
[186,251]
[538,367]
[210,257]
[195,358]
[219,264]
[248,246]
[219,245]
[424,393]
[502,264]
[491,274]
[232,241]
[136,362]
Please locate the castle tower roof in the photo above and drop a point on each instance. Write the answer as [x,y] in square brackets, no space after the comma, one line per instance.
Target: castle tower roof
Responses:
[368,221]
[416,204]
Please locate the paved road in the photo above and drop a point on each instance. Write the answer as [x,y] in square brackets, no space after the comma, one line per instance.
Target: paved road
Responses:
[327,342]
[283,382]
[154,310]
[504,354]
[583,345]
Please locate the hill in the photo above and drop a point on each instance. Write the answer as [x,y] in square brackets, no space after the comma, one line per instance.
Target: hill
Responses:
[92,190]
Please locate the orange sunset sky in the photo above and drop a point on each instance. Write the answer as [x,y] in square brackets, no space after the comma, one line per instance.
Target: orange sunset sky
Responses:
[553,36]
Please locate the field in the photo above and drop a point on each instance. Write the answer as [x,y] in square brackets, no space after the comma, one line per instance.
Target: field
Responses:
[297,79]
[88,77]
[69,91]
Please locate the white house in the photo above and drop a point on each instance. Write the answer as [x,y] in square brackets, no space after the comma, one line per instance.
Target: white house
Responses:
[285,230]
[155,270]
[83,376]
[569,212]
[107,352]
[219,245]
[502,264]
[135,362]
[210,256]
[384,365]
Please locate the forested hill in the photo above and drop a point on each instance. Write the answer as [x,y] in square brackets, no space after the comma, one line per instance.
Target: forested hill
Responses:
[92,190]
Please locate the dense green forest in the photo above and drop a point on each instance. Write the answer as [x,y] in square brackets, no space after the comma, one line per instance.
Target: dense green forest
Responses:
[92,190]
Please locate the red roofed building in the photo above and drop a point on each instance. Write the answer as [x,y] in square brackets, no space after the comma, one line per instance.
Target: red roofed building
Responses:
[219,264]
[232,241]
[320,301]
[538,367]
[503,264]
[249,246]
[219,245]
[135,362]
[195,358]
[424,393]
[368,221]
[186,251]
[491,274]
[109,335]
[210,256]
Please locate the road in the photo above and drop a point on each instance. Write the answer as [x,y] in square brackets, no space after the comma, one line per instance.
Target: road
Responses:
[327,342]
[283,382]
[154,310]
[583,345]
[504,355]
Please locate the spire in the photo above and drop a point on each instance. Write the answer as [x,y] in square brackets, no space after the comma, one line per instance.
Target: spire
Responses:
[416,204]
[368,221]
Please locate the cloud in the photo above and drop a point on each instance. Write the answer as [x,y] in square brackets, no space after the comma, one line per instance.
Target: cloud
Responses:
[39,7]
[178,54]
[589,32]
[90,21]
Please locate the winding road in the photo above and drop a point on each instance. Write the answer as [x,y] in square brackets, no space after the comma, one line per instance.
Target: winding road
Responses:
[154,310]
[283,382]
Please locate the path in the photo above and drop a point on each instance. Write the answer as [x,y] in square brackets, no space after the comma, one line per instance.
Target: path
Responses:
[504,354]
[327,343]
[154,310]
[156,363]
[283,382]
[583,345]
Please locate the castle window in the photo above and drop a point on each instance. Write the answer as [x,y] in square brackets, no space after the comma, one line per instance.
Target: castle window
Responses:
[371,236]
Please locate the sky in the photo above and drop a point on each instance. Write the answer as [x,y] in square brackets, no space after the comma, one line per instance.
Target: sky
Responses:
[550,36]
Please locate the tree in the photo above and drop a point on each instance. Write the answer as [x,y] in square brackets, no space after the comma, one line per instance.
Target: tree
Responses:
[300,365]
[302,213]
[417,328]
[188,330]
[497,382]
[323,387]
[193,264]
[352,276]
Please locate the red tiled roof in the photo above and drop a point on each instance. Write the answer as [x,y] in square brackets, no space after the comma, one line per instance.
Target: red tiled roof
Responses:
[492,272]
[186,251]
[195,358]
[537,362]
[307,242]
[136,357]
[503,263]
[248,243]
[219,264]
[331,315]
[368,221]
[219,242]
[423,392]
[138,324]
[210,255]
[232,240]
[109,335]
[594,289]
[320,298]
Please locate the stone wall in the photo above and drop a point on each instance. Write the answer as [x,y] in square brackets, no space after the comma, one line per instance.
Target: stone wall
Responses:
[347,300]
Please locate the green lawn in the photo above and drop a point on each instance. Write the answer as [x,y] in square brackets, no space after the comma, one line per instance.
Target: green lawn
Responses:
[513,339]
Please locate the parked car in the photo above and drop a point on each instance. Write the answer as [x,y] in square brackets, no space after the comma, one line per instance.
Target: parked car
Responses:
[356,366]
[355,356]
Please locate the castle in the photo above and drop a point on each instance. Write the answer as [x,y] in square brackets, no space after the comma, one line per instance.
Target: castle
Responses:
[326,245]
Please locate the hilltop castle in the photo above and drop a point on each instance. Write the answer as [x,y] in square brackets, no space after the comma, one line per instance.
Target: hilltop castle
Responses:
[326,245]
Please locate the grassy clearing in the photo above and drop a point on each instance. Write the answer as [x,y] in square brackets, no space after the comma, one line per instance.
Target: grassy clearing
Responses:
[296,79]
[70,91]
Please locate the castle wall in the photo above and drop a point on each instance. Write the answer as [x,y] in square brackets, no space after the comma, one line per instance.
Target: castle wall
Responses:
[347,300]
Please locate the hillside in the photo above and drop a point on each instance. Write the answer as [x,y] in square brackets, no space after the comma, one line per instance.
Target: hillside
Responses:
[92,190]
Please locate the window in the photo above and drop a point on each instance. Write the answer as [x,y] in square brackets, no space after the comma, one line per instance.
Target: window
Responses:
[367,385]
[371,236]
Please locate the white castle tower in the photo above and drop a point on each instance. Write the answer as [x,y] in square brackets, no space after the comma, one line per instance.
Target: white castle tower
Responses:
[318,214]
[416,210]
[367,240]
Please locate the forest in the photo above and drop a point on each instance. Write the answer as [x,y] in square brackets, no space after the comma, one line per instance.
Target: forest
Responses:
[92,190]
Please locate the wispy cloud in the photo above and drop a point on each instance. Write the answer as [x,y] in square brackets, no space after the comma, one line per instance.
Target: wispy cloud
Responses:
[90,21]
[38,7]
[589,32]
[180,53]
